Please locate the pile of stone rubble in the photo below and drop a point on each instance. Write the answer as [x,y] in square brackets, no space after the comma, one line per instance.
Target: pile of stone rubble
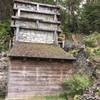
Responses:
[3,74]
[92,93]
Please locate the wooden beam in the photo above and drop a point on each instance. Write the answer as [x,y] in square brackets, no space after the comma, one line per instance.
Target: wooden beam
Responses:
[37,29]
[55,38]
[35,3]
[55,17]
[17,33]
[37,23]
[35,11]
[38,7]
[34,19]
[19,11]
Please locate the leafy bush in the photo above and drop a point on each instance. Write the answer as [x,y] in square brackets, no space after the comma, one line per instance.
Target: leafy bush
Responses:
[97,51]
[5,34]
[77,97]
[92,40]
[76,84]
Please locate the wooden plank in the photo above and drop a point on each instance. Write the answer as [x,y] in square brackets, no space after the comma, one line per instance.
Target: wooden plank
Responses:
[34,3]
[38,7]
[19,12]
[56,37]
[37,29]
[34,19]
[17,33]
[40,12]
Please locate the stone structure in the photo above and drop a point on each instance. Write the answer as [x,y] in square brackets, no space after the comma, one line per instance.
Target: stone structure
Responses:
[38,66]
[3,74]
[93,92]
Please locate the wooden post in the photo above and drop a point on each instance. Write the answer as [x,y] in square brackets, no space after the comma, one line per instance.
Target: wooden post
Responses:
[63,44]
[37,7]
[19,11]
[17,33]
[37,24]
[10,44]
[55,38]
[55,17]
[15,5]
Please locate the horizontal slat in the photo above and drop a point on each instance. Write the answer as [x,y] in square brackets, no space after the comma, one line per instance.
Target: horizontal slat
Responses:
[34,3]
[37,29]
[34,19]
[32,93]
[40,12]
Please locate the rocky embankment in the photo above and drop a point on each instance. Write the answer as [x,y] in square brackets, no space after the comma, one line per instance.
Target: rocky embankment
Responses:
[92,93]
[3,74]
[93,70]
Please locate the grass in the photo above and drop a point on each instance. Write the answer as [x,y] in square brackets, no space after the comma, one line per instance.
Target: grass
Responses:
[54,98]
[47,98]
[40,98]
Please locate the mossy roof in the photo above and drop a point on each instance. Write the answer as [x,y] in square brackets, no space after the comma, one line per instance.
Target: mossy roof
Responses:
[36,50]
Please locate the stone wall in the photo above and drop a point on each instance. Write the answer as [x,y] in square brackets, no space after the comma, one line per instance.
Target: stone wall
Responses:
[3,74]
[31,77]
[93,92]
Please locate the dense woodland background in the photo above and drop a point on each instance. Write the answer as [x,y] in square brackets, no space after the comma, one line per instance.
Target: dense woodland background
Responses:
[77,16]
[81,17]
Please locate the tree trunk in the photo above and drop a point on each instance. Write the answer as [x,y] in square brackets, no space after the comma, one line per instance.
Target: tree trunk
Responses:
[5,9]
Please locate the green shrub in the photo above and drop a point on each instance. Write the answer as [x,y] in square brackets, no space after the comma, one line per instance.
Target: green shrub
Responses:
[77,97]
[92,40]
[5,34]
[98,51]
[76,84]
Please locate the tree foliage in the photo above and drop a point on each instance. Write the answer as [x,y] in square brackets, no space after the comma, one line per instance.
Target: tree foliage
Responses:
[81,17]
[77,16]
[5,9]
[76,84]
[44,1]
[5,35]
[71,14]
[90,17]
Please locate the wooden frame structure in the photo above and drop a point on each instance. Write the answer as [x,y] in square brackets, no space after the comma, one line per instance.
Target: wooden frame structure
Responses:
[38,66]
[36,17]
